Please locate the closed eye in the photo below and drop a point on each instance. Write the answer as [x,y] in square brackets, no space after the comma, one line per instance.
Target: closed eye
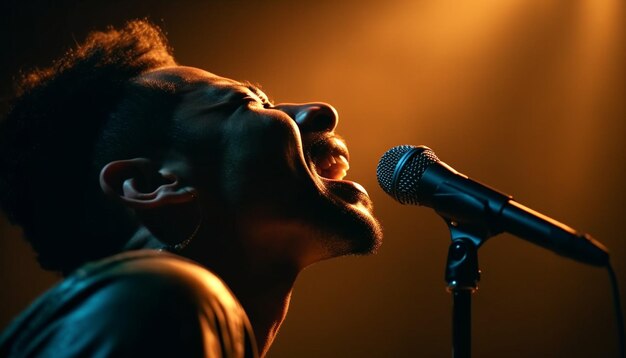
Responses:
[260,94]
[260,100]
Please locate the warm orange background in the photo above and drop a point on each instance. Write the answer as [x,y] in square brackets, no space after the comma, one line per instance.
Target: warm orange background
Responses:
[525,95]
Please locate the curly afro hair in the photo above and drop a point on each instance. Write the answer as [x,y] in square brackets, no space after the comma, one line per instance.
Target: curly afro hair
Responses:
[65,121]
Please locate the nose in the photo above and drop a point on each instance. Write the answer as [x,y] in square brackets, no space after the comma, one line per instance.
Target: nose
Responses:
[311,117]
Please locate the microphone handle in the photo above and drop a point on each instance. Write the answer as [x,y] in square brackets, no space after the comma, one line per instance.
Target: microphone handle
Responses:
[456,197]
[544,231]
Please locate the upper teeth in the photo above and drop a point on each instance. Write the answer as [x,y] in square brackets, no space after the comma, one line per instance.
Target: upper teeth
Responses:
[332,166]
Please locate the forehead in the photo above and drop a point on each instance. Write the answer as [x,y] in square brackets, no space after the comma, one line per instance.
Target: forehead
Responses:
[190,79]
[200,91]
[198,87]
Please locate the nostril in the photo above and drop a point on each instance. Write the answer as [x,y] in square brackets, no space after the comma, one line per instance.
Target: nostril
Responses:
[317,117]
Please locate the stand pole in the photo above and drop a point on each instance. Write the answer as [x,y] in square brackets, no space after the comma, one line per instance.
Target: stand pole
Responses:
[462,276]
[461,324]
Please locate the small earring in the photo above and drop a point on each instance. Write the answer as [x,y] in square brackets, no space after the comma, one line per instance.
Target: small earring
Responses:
[181,245]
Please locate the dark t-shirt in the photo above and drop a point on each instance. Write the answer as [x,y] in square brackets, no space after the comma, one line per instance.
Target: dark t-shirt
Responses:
[136,304]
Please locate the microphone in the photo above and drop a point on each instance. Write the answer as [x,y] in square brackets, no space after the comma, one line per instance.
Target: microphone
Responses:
[414,175]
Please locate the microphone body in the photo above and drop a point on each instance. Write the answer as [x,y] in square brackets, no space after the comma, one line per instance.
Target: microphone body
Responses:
[414,175]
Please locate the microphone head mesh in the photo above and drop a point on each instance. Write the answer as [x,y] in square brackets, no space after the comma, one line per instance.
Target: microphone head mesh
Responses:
[400,169]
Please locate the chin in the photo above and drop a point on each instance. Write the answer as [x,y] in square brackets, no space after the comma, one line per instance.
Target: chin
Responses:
[348,228]
[363,235]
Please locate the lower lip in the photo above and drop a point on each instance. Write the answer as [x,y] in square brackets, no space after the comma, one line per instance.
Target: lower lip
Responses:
[350,191]
[358,186]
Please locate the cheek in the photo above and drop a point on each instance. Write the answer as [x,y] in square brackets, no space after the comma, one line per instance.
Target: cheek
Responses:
[265,161]
[264,142]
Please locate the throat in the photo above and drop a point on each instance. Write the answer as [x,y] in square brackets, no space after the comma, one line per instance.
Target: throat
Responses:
[265,296]
[266,316]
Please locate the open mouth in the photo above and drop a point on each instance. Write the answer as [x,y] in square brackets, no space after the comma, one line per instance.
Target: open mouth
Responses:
[331,166]
[329,159]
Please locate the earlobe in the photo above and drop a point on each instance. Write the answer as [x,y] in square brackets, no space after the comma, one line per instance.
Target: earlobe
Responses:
[138,184]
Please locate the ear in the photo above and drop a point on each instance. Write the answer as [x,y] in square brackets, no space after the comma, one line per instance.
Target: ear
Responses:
[139,184]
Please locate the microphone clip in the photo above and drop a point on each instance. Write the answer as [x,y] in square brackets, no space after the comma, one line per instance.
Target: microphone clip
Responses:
[462,272]
[462,276]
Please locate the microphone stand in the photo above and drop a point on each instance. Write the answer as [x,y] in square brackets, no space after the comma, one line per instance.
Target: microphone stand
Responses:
[462,276]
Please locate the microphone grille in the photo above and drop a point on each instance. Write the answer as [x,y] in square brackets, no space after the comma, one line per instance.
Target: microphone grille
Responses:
[400,169]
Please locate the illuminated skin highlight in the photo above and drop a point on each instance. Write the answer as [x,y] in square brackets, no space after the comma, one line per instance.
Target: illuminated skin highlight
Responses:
[264,182]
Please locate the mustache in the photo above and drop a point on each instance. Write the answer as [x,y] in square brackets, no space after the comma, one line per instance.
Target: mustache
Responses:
[320,144]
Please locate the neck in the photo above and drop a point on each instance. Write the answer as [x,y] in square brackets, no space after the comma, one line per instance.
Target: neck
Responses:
[264,294]
[266,307]
[263,285]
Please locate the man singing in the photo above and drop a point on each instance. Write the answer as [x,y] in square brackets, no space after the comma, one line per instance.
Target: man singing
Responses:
[179,205]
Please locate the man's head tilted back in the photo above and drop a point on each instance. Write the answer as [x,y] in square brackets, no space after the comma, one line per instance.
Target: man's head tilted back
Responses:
[115,145]
[115,154]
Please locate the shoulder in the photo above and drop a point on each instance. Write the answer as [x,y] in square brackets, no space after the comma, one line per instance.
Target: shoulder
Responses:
[147,303]
[159,275]
[149,285]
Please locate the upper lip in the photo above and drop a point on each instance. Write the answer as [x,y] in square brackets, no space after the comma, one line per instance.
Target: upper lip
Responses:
[329,158]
